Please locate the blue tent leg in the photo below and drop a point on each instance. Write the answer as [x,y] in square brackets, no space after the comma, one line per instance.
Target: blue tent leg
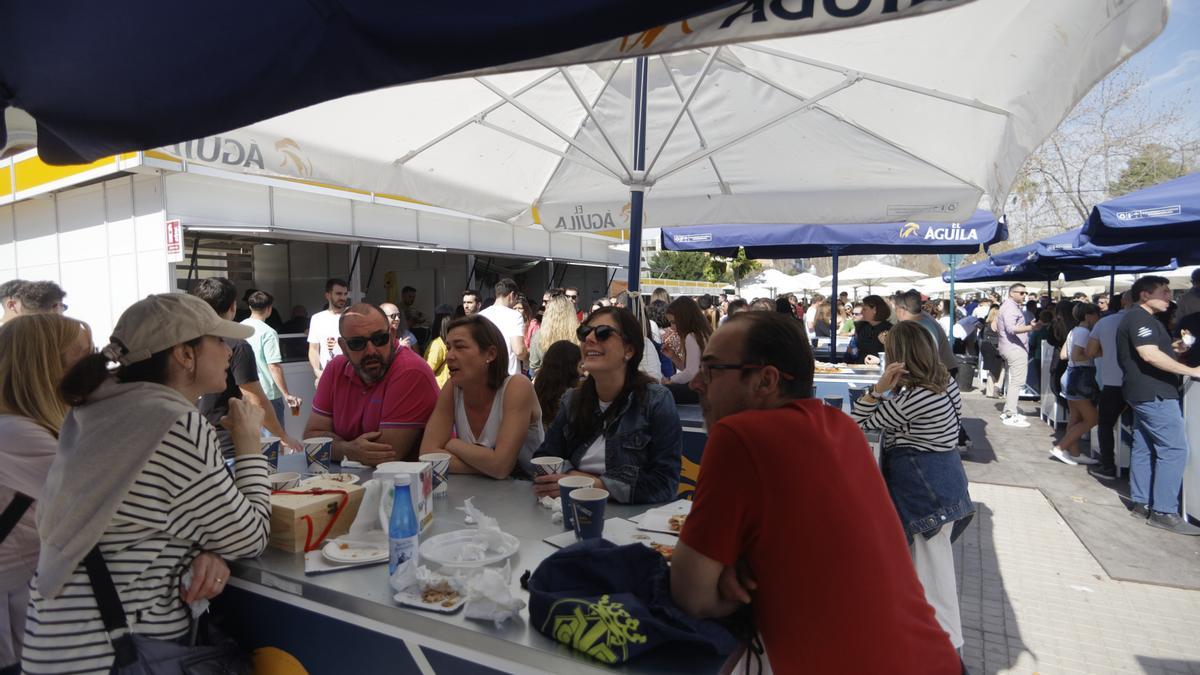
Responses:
[637,191]
[833,325]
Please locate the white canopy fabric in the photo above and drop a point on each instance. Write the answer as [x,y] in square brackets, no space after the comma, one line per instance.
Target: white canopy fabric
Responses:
[910,119]
[875,273]
[771,283]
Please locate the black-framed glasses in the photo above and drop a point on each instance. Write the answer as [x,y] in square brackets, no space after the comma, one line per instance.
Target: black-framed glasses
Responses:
[706,369]
[602,331]
[359,343]
[393,317]
[572,297]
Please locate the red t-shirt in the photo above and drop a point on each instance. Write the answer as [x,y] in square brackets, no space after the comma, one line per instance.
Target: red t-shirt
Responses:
[796,493]
[405,397]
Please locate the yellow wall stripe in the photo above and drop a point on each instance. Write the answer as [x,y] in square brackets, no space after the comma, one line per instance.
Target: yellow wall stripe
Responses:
[33,172]
[5,181]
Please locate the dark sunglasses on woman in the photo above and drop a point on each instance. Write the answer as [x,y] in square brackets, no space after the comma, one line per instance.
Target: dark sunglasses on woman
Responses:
[378,338]
[602,332]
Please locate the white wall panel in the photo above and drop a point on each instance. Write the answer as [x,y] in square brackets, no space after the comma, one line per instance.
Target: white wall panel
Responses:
[8,247]
[88,294]
[385,222]
[82,234]
[564,246]
[118,196]
[153,273]
[41,273]
[312,213]
[201,200]
[446,231]
[122,287]
[36,235]
[532,243]
[486,236]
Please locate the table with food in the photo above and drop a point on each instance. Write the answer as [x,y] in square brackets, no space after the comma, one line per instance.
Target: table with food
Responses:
[336,608]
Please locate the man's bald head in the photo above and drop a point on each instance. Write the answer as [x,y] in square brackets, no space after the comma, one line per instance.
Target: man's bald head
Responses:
[364,313]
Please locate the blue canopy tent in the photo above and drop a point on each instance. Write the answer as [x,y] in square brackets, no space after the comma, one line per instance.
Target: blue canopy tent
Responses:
[819,241]
[1162,212]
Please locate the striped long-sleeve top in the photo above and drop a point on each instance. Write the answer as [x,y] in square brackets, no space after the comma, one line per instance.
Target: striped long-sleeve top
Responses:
[917,418]
[183,502]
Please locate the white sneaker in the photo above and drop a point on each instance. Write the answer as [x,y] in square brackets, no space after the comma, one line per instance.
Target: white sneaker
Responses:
[1085,459]
[1063,456]
[1014,421]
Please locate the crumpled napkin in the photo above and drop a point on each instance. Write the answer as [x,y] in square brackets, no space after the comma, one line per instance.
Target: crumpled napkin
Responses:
[489,595]
[490,535]
[198,607]
[555,506]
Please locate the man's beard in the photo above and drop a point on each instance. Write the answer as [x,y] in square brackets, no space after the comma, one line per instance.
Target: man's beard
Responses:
[369,379]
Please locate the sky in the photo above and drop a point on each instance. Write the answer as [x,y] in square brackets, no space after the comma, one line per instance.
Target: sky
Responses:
[1172,62]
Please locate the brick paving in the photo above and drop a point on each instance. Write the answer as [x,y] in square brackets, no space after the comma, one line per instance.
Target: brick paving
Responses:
[1034,598]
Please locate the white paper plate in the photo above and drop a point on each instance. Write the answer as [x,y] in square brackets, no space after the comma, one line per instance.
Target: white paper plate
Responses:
[657,522]
[447,549]
[351,464]
[335,553]
[412,598]
[346,478]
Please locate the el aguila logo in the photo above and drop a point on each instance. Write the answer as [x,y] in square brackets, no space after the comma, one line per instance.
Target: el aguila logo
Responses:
[951,232]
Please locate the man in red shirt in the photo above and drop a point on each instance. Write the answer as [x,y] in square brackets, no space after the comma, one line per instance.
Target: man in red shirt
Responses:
[375,398]
[792,515]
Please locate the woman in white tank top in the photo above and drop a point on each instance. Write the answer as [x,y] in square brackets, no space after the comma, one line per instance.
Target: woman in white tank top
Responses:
[489,421]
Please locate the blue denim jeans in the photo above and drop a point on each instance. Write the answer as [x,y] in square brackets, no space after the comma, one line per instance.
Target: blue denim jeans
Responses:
[279,406]
[1158,455]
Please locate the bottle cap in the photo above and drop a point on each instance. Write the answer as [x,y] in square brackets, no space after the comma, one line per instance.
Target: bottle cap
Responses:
[403,479]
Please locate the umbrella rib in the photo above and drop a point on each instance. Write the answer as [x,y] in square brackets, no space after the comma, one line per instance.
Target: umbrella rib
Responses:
[542,146]
[698,156]
[550,177]
[546,124]
[685,106]
[468,122]
[879,79]
[786,90]
[696,127]
[592,115]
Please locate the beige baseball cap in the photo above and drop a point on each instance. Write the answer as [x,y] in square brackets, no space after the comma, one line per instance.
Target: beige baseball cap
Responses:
[163,321]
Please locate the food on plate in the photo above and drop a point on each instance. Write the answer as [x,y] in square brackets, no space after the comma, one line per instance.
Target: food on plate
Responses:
[343,546]
[439,593]
[664,550]
[676,522]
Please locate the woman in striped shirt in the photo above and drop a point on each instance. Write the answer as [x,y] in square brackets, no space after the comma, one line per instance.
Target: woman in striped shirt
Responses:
[917,406]
[139,475]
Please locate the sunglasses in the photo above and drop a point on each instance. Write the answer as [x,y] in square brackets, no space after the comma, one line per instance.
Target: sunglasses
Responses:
[602,332]
[357,344]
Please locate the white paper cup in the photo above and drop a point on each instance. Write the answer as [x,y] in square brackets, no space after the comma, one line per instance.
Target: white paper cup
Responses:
[288,480]
[441,472]
[318,451]
[547,466]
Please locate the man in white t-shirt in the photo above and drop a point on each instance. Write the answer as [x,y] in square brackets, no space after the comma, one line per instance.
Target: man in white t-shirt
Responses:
[1102,349]
[510,323]
[323,330]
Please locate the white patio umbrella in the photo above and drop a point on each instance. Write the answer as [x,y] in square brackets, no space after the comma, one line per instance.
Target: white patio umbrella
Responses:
[916,118]
[768,283]
[872,273]
[803,282]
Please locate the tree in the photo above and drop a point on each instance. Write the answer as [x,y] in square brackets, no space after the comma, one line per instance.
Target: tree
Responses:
[741,267]
[682,265]
[1084,159]
[1154,164]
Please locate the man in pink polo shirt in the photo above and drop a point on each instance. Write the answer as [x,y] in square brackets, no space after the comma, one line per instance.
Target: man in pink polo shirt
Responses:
[375,398]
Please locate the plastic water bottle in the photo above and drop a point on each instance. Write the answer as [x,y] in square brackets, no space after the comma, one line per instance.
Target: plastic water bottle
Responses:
[403,531]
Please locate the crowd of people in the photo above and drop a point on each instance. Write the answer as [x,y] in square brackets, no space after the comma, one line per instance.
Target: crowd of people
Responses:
[185,394]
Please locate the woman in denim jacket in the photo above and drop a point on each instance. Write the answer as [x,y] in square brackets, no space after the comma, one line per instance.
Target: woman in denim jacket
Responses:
[617,427]
[924,475]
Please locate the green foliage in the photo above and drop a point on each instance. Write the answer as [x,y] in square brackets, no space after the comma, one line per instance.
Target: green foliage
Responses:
[1152,165]
[682,265]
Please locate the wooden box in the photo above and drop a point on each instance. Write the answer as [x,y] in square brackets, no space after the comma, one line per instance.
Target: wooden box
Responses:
[296,519]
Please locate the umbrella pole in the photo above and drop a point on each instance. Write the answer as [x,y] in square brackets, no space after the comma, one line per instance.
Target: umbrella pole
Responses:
[637,186]
[833,329]
[1112,285]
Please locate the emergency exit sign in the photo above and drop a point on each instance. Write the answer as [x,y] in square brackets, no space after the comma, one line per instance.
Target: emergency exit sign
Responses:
[174,241]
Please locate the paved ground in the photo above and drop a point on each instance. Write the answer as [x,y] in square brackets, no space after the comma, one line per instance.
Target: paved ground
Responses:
[1035,601]
[1054,575]
[1125,548]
